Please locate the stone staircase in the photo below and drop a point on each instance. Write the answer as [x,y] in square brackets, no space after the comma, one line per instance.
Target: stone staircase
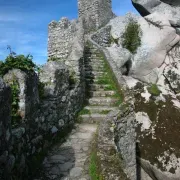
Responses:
[101,97]
[70,160]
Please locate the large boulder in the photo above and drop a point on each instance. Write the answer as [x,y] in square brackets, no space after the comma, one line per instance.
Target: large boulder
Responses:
[157,39]
[168,8]
[157,126]
[118,26]
[122,58]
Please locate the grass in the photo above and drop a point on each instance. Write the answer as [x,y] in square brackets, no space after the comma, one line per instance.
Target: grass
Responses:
[105,111]
[93,167]
[94,164]
[84,111]
[109,80]
[153,90]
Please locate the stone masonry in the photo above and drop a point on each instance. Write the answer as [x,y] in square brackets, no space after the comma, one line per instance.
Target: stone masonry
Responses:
[45,115]
[95,13]
[60,36]
[5,129]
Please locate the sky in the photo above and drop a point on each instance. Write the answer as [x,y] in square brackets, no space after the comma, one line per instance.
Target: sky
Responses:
[24,23]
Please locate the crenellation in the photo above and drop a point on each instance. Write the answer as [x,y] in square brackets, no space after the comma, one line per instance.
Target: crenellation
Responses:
[60,35]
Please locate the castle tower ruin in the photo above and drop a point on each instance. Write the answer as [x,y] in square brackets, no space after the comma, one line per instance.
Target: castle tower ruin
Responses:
[95,13]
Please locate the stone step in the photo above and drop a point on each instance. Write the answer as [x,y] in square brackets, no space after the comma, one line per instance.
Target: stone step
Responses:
[101,93]
[92,50]
[100,109]
[103,101]
[97,62]
[92,118]
[96,69]
[96,87]
[91,81]
[94,66]
[95,73]
[93,59]
[90,63]
[93,76]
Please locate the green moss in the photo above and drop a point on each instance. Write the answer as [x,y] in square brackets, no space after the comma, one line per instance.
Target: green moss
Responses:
[153,90]
[105,111]
[72,79]
[110,80]
[132,36]
[54,59]
[94,162]
[41,86]
[15,117]
[93,169]
[84,111]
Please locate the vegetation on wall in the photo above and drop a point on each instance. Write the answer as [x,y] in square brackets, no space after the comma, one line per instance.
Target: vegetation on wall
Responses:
[41,86]
[54,59]
[25,64]
[113,40]
[15,102]
[94,161]
[153,90]
[132,36]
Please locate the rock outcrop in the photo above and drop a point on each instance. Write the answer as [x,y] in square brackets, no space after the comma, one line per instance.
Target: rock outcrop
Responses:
[170,9]
[156,107]
[158,39]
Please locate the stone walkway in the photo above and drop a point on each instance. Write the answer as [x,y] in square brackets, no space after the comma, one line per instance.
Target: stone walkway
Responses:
[69,161]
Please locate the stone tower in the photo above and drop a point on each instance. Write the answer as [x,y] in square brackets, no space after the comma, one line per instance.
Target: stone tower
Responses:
[95,13]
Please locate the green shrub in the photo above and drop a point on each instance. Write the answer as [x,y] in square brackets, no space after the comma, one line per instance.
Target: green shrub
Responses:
[132,36]
[21,62]
[153,90]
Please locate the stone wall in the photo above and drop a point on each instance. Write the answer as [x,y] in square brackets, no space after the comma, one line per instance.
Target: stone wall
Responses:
[66,43]
[47,114]
[5,129]
[28,96]
[95,13]
[103,37]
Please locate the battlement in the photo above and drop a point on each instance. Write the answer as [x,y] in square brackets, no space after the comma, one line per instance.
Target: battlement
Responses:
[60,36]
[93,13]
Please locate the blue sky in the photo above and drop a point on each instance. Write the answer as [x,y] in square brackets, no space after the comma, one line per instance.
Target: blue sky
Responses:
[24,23]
